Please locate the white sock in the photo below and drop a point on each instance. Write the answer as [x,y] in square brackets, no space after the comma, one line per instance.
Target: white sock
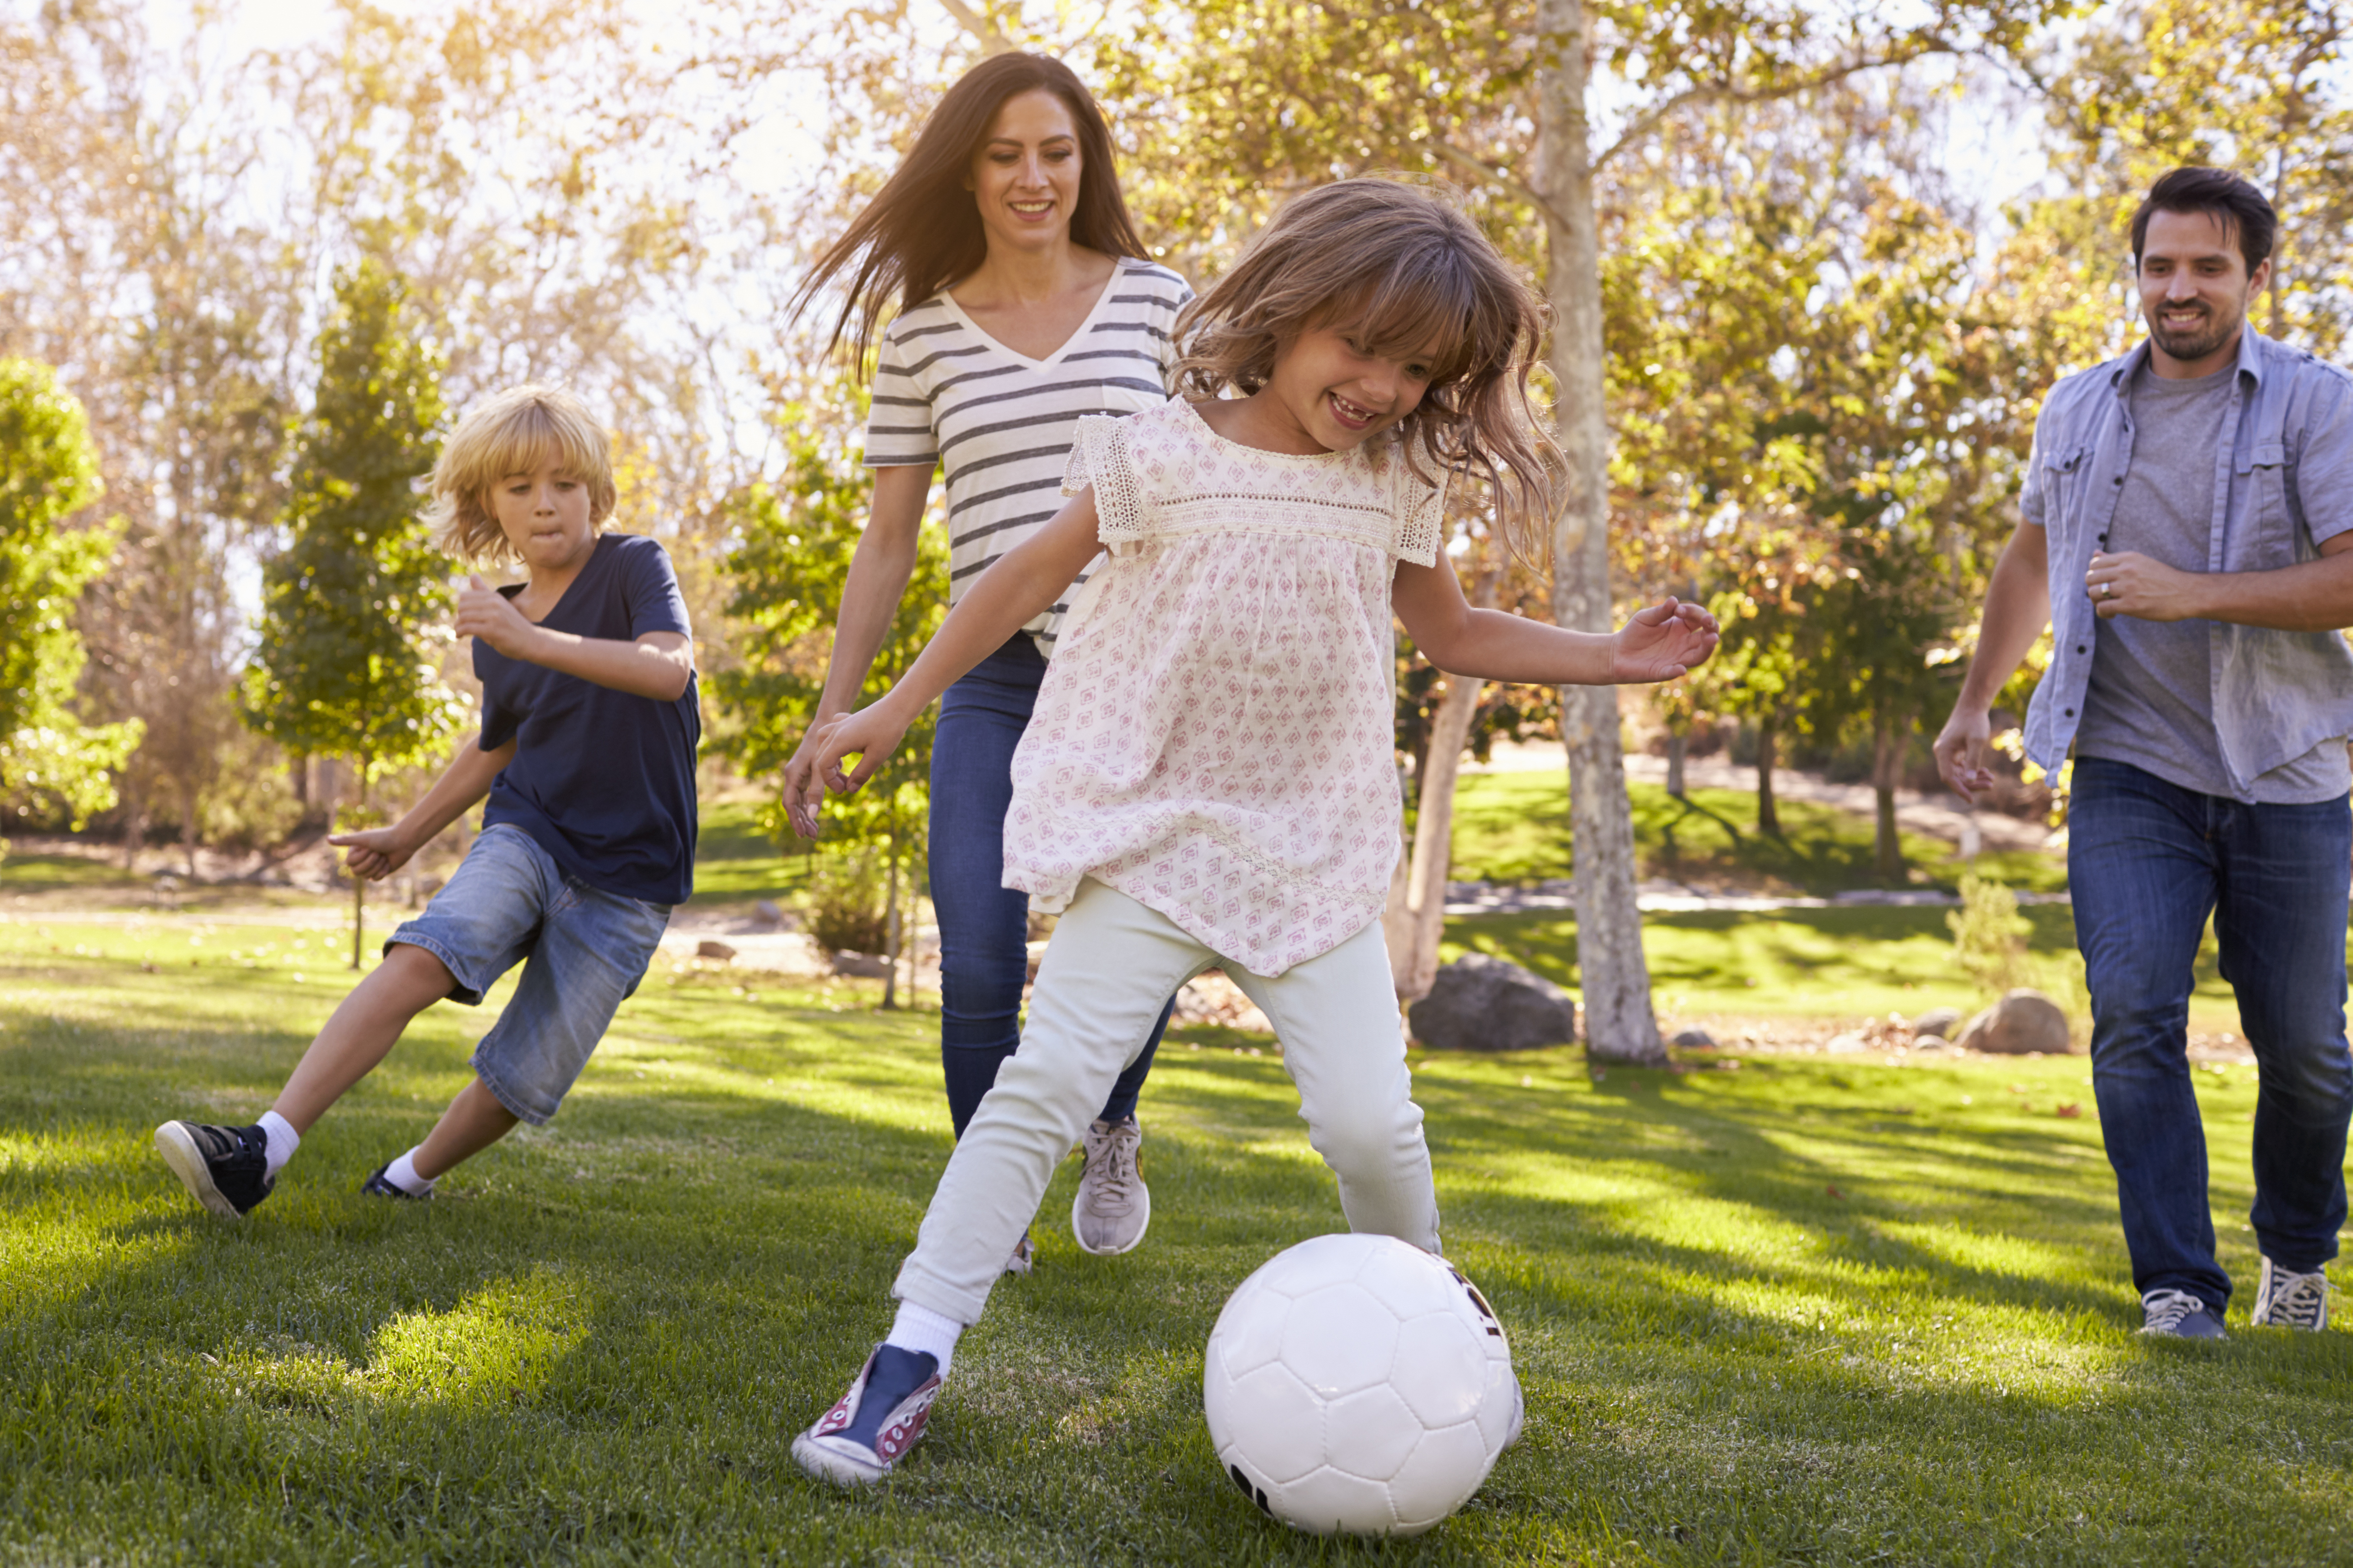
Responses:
[402,1173]
[926,1332]
[279,1141]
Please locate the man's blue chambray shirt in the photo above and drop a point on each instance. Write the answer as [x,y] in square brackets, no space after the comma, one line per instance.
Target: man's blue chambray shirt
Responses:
[2283,484]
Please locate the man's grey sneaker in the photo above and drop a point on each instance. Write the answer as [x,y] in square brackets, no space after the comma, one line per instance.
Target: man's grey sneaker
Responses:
[2178,1314]
[1113,1206]
[224,1168]
[2289,1301]
[1024,1254]
[858,1441]
[377,1186]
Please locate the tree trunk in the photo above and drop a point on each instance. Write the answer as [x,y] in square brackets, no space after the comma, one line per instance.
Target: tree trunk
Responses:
[1886,759]
[1678,748]
[134,825]
[1769,742]
[359,883]
[891,929]
[1620,1025]
[1416,917]
[190,829]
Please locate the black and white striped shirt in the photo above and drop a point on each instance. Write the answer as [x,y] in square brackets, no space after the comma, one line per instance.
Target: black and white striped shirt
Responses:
[1001,423]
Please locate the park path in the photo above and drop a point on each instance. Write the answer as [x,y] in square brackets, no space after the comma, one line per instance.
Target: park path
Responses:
[1939,815]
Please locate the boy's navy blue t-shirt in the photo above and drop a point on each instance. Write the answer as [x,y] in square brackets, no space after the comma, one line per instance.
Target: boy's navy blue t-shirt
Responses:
[603,780]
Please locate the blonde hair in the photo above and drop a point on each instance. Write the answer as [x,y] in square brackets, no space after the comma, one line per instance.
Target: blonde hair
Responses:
[1400,268]
[513,433]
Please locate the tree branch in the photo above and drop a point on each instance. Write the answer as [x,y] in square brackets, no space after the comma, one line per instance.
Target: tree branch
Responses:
[980,25]
[1725,93]
[1502,179]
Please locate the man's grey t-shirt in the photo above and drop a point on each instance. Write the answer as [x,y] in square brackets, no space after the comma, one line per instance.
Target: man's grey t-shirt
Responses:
[2150,700]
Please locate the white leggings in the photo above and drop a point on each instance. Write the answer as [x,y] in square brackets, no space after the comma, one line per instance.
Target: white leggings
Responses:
[1111,967]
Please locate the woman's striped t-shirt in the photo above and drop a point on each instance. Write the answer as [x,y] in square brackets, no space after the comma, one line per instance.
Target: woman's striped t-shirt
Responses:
[1001,423]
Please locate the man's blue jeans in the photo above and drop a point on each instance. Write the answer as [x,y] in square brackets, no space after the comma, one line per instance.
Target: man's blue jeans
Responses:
[984,925]
[2148,862]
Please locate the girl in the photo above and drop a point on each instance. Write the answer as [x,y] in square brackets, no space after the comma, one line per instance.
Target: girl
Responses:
[1208,779]
[1025,301]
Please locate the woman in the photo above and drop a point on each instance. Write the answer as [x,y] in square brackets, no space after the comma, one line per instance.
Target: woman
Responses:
[1024,301]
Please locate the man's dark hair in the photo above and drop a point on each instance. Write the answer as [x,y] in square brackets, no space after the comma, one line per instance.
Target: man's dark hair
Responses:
[2244,211]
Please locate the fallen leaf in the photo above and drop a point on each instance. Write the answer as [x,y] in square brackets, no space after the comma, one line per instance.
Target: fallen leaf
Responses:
[2070,1109]
[1832,1190]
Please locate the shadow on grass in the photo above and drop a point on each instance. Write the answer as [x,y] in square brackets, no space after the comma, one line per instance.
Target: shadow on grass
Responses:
[598,1343]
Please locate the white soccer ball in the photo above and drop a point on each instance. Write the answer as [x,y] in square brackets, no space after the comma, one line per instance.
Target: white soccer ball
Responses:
[1357,1383]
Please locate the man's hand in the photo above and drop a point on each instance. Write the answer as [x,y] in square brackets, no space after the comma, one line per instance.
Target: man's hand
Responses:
[376,853]
[2133,584]
[872,733]
[1662,643]
[1961,752]
[483,612]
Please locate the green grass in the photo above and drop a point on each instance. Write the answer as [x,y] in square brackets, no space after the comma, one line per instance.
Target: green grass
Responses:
[596,1345]
[1838,963]
[1513,828]
[736,864]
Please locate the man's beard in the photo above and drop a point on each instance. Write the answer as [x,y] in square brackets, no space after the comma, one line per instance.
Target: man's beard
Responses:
[2195,343]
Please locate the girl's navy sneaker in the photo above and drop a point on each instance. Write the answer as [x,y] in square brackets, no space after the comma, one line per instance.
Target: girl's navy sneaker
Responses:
[858,1441]
[224,1168]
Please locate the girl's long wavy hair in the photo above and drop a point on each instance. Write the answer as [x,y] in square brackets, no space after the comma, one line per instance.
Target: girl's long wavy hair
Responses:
[922,231]
[1406,275]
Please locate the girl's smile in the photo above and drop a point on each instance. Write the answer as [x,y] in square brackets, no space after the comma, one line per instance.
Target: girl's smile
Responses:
[1328,393]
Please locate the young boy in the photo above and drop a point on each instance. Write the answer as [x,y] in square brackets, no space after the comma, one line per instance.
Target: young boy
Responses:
[589,729]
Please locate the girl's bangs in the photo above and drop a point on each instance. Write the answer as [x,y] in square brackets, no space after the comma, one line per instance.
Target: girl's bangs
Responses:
[1420,305]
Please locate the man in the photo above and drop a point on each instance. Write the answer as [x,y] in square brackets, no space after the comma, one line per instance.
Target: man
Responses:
[2189,533]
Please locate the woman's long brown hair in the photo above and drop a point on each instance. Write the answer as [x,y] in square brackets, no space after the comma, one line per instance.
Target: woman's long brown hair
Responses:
[922,231]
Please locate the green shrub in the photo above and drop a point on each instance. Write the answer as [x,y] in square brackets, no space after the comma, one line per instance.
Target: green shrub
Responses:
[845,906]
[1990,935]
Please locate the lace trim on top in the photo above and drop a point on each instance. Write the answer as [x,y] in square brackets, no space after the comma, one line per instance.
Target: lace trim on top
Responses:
[1164,472]
[1420,511]
[1099,458]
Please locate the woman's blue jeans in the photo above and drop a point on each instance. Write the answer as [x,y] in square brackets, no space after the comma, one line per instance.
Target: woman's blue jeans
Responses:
[2147,861]
[984,925]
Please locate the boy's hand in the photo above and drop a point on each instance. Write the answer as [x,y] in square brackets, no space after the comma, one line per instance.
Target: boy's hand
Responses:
[871,732]
[483,612]
[1662,643]
[375,853]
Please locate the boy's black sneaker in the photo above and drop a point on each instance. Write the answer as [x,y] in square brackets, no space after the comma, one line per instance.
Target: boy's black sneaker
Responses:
[224,1168]
[378,1186]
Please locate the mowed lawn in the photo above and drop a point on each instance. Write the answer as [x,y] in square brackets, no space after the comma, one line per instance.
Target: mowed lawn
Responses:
[1804,1311]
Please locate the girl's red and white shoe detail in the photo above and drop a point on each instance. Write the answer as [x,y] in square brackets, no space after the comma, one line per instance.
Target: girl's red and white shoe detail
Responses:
[871,1429]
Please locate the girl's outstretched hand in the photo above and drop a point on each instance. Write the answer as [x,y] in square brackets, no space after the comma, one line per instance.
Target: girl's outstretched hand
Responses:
[871,732]
[1662,642]
[803,791]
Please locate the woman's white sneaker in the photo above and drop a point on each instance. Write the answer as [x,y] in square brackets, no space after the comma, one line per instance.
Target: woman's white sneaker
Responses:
[1114,1208]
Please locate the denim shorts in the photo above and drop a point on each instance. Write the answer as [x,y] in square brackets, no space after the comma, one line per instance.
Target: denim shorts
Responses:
[583,952]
